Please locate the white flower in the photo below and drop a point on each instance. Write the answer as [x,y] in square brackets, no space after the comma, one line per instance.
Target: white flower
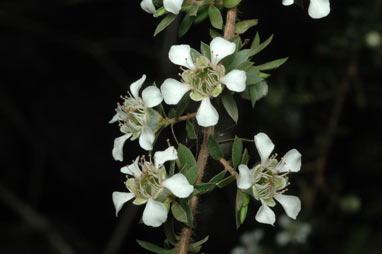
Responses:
[148,6]
[173,6]
[205,78]
[137,118]
[149,185]
[319,8]
[268,180]
[287,2]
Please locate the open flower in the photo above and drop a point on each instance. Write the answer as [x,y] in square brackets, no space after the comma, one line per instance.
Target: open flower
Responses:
[205,78]
[151,186]
[172,6]
[319,8]
[268,181]
[137,118]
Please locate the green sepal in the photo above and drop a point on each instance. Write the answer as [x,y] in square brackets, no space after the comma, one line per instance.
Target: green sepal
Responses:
[242,26]
[190,130]
[195,247]
[203,188]
[231,3]
[155,248]
[165,22]
[230,106]
[215,16]
[214,148]
[237,150]
[185,156]
[225,181]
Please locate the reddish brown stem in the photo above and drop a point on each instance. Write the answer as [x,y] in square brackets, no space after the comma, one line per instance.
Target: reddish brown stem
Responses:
[228,167]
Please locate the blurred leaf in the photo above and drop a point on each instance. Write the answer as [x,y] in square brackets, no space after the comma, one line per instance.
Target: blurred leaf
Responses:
[203,188]
[272,64]
[185,24]
[169,231]
[215,17]
[242,26]
[202,14]
[172,168]
[190,130]
[166,21]
[237,150]
[214,148]
[231,3]
[225,181]
[194,10]
[253,78]
[196,246]
[230,106]
[245,157]
[154,248]
[252,94]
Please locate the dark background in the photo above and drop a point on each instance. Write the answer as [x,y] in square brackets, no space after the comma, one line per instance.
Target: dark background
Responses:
[63,65]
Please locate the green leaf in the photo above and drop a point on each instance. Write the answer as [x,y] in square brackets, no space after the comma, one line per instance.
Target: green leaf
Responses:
[239,58]
[172,113]
[172,168]
[245,157]
[194,10]
[203,14]
[256,48]
[196,246]
[214,33]
[166,21]
[252,95]
[154,248]
[272,64]
[182,213]
[253,78]
[214,148]
[191,173]
[184,204]
[185,156]
[231,3]
[203,188]
[230,106]
[169,232]
[241,207]
[237,150]
[182,105]
[242,26]
[205,49]
[190,130]
[218,177]
[225,181]
[215,17]
[185,25]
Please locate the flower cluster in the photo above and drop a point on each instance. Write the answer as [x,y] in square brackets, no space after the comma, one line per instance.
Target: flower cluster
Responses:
[268,180]
[317,8]
[205,78]
[150,185]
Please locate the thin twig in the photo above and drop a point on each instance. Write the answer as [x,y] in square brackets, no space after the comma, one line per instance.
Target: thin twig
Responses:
[181,118]
[228,167]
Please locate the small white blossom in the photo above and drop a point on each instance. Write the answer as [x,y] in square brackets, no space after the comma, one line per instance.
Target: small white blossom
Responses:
[148,6]
[150,185]
[137,118]
[205,78]
[319,8]
[173,6]
[268,180]
[287,2]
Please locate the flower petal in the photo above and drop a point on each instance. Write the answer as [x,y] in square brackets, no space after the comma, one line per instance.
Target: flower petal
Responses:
[179,185]
[235,80]
[118,146]
[119,199]
[147,138]
[319,8]
[169,154]
[244,181]
[291,204]
[221,48]
[151,96]
[264,146]
[290,162]
[207,114]
[115,118]
[181,55]
[173,6]
[287,2]
[173,90]
[155,213]
[148,6]
[265,214]
[136,86]
[132,169]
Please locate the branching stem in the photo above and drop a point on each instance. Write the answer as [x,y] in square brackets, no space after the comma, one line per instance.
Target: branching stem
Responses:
[228,167]
[180,119]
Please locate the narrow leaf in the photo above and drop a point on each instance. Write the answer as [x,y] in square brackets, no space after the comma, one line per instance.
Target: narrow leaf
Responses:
[214,148]
[272,64]
[196,246]
[155,248]
[226,181]
[215,17]
[231,3]
[214,33]
[252,94]
[194,10]
[245,157]
[203,188]
[237,150]
[261,46]
[190,130]
[242,26]
[182,105]
[218,177]
[185,25]
[202,14]
[169,231]
[230,106]
[166,21]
